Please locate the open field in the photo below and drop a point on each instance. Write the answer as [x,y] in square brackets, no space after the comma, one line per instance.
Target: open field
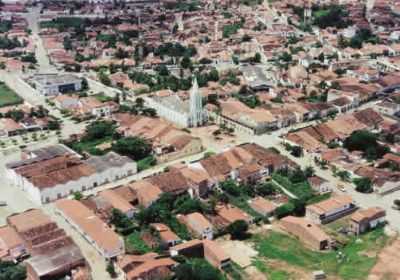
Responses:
[8,96]
[354,261]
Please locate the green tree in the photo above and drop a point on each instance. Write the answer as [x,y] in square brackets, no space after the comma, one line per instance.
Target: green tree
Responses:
[257,58]
[12,271]
[213,75]
[99,129]
[104,79]
[265,189]
[119,219]
[85,84]
[363,185]
[367,142]
[238,229]
[16,115]
[186,63]
[78,195]
[135,147]
[111,269]
[286,57]
[54,124]
[284,210]
[197,269]
[186,205]
[309,171]
[344,175]
[230,187]
[296,151]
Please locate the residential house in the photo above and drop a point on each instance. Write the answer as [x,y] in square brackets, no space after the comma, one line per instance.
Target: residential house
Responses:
[262,206]
[230,214]
[366,219]
[149,266]
[215,255]
[145,192]
[12,246]
[319,185]
[206,249]
[198,225]
[331,209]
[9,127]
[95,231]
[171,181]
[167,236]
[309,233]
[118,202]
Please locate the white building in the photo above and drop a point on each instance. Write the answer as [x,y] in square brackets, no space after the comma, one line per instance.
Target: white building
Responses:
[183,113]
[47,179]
[54,84]
[331,209]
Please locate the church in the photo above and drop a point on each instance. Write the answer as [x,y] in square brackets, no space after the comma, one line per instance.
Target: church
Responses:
[183,113]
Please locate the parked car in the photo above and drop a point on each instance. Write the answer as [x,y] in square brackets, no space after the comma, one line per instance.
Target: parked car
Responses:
[3,203]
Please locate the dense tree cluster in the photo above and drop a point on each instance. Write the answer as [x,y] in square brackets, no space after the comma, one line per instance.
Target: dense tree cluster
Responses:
[367,142]
[197,269]
[12,271]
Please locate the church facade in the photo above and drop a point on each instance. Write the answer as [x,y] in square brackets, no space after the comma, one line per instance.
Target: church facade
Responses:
[183,113]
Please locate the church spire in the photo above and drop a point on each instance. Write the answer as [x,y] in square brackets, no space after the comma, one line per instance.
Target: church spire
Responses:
[196,104]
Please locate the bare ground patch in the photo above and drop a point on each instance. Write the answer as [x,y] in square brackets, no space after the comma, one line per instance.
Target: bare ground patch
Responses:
[388,264]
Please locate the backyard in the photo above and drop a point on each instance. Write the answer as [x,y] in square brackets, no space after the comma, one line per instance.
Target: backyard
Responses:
[8,96]
[353,261]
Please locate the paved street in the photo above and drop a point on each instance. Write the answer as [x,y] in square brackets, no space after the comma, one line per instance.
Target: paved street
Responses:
[41,54]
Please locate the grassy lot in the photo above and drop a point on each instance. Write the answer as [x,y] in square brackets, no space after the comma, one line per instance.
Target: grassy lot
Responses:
[8,96]
[102,97]
[272,274]
[64,23]
[359,256]
[302,190]
[90,146]
[146,163]
[134,243]
[319,198]
[242,203]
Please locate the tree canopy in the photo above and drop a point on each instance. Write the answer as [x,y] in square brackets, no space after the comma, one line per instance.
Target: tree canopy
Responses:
[238,229]
[197,269]
[367,142]
[12,271]
[134,147]
[363,185]
[99,129]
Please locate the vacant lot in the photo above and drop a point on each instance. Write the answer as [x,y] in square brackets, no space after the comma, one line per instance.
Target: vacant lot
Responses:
[8,96]
[387,267]
[354,261]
